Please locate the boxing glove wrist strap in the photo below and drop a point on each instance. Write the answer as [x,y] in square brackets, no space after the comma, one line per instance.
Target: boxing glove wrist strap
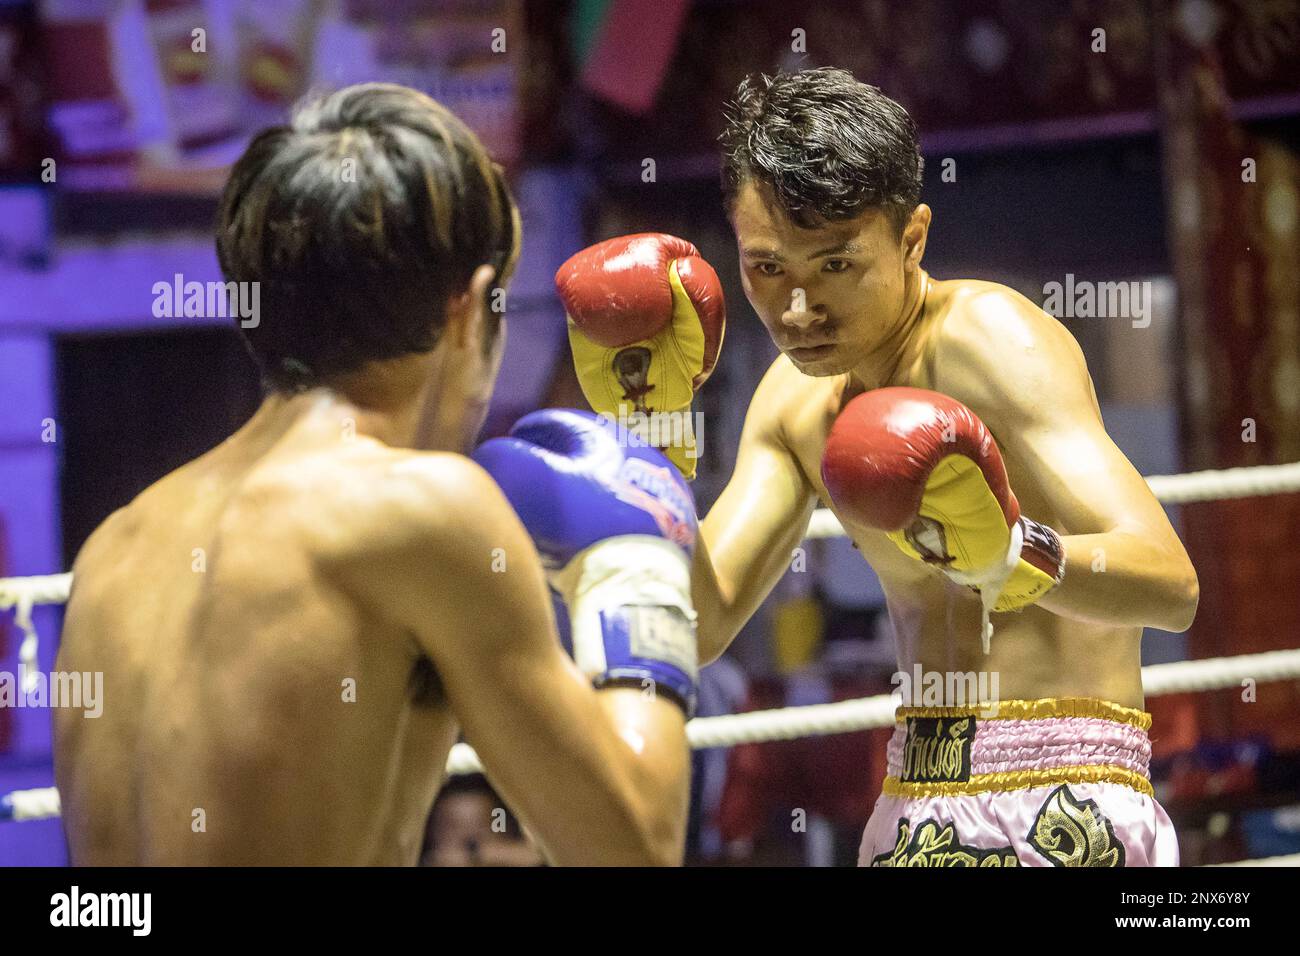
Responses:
[629,601]
[1035,563]
[1043,550]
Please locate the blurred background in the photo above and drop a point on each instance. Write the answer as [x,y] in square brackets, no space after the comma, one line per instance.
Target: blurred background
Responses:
[1149,140]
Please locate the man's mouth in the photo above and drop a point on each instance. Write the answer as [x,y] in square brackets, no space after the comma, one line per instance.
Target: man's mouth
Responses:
[810,353]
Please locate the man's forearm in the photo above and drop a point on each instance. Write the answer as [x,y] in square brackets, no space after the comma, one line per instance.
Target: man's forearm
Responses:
[715,625]
[740,555]
[1122,578]
[657,763]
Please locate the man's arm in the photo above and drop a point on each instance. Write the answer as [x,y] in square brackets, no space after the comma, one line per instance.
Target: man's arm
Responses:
[655,291]
[748,536]
[1024,375]
[599,777]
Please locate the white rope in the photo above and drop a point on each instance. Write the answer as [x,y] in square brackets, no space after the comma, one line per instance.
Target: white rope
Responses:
[462,761]
[1226,483]
[822,524]
[864,713]
[30,804]
[820,719]
[1169,489]
[39,589]
[1214,673]
[789,723]
[22,594]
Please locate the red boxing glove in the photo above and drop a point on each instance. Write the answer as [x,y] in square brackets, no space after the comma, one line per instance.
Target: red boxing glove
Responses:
[646,322]
[923,468]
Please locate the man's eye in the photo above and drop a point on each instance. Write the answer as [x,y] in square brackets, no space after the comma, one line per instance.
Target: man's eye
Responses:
[837,265]
[768,269]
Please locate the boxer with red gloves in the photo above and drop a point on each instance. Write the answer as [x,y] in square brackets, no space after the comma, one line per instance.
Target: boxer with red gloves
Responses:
[646,321]
[953,429]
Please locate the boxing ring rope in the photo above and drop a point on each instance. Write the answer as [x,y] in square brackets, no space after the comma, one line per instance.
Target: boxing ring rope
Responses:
[788,723]
[39,804]
[1214,485]
[869,713]
[22,594]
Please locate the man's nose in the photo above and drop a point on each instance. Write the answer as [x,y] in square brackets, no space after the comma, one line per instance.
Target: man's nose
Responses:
[801,313]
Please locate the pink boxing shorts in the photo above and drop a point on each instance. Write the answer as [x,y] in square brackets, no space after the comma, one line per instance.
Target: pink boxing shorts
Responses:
[1054,782]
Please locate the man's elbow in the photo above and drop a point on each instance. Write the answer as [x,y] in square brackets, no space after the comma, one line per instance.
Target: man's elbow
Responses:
[661,811]
[715,629]
[712,645]
[667,844]
[1184,598]
[661,837]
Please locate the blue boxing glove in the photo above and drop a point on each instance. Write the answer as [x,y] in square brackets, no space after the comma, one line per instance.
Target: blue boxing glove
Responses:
[615,527]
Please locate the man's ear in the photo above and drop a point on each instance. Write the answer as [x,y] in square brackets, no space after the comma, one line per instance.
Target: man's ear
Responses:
[467,312]
[915,234]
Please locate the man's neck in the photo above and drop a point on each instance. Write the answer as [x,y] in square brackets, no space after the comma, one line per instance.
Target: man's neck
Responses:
[384,401]
[407,404]
[323,413]
[883,364]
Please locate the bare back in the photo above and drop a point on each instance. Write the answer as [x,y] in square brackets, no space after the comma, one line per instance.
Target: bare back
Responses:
[254,711]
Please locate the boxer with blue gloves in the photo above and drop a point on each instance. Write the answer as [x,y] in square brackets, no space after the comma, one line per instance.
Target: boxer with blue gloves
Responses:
[368,595]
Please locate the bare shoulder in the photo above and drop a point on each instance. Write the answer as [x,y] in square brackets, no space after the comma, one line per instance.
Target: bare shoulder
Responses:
[117,526]
[986,317]
[996,347]
[100,552]
[782,397]
[422,543]
[405,501]
[774,387]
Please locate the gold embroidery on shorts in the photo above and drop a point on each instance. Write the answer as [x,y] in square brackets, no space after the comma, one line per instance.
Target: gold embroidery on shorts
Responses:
[929,845]
[1072,832]
[1006,780]
[1042,709]
[937,750]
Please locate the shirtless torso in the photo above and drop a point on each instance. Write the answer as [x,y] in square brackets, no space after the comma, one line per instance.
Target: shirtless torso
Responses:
[294,628]
[988,347]
[219,608]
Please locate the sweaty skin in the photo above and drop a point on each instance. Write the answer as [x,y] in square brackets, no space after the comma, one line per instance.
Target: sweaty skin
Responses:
[293,628]
[860,288]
